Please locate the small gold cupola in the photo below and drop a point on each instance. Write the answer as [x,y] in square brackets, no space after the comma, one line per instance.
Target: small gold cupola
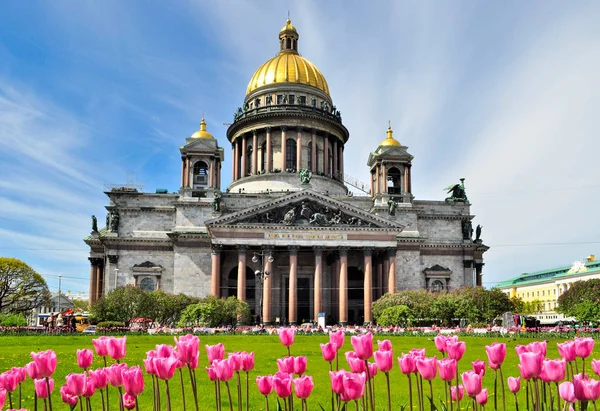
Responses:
[202,133]
[288,38]
[390,140]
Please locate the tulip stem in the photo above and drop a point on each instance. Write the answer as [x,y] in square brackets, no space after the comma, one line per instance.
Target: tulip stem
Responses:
[410,400]
[80,401]
[517,403]
[10,399]
[537,395]
[356,403]
[457,389]
[182,387]
[331,370]
[557,396]
[49,393]
[527,393]
[121,407]
[216,397]
[267,402]
[194,387]
[419,392]
[495,390]
[229,396]
[19,395]
[137,406]
[370,399]
[583,365]
[219,391]
[167,394]
[45,404]
[387,381]
[106,392]
[247,390]
[503,389]
[239,390]
[431,395]
[35,398]
[102,395]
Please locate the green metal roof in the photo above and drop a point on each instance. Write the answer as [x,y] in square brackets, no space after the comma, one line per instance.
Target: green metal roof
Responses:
[549,275]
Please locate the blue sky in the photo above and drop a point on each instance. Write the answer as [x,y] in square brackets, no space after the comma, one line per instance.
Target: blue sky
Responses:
[505,94]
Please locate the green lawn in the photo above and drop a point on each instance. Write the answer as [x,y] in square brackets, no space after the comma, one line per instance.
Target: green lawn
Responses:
[15,352]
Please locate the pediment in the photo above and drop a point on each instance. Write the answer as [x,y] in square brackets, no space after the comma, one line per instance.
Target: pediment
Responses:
[392,153]
[305,209]
[200,144]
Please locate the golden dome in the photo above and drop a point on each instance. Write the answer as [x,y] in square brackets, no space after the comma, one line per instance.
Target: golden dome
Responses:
[390,140]
[288,66]
[202,133]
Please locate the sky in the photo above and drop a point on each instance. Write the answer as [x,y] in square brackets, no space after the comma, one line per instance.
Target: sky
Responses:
[505,94]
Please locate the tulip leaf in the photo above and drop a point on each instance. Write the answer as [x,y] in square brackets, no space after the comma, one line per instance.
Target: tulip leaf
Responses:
[443,406]
[278,405]
[432,404]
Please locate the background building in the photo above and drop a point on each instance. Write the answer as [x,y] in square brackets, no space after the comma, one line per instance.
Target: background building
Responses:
[287,213]
[547,285]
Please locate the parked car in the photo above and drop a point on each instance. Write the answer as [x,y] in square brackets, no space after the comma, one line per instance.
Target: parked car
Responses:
[90,329]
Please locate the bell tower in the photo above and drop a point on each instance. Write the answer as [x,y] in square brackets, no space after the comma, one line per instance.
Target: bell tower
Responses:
[201,159]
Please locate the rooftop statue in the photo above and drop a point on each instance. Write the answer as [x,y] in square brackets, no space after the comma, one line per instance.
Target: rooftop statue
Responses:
[305,176]
[94,224]
[392,205]
[458,193]
[217,202]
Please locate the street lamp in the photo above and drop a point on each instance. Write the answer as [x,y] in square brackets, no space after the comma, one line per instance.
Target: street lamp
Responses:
[261,275]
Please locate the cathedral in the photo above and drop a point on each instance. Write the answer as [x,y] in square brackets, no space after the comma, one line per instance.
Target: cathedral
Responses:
[287,235]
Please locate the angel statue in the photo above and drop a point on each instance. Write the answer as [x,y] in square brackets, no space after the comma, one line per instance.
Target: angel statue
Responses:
[458,193]
[305,176]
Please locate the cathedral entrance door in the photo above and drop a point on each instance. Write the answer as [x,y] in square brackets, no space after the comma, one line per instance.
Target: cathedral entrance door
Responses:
[304,300]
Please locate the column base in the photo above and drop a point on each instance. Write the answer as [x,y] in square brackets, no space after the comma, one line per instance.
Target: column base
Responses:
[367,323]
[343,323]
[292,322]
[267,323]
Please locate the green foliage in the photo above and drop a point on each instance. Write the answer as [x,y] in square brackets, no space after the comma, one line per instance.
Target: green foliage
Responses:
[531,307]
[110,324]
[166,308]
[518,304]
[21,288]
[81,305]
[212,312]
[473,303]
[396,315]
[122,304]
[581,300]
[13,320]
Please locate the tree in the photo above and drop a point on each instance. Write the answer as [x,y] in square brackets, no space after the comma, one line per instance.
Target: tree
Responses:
[532,307]
[21,288]
[397,315]
[81,305]
[166,308]
[122,304]
[212,312]
[579,300]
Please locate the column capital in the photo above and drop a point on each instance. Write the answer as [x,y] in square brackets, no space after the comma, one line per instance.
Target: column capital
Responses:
[268,129]
[318,249]
[254,132]
[283,128]
[293,249]
[368,251]
[113,259]
[391,252]
[299,129]
[343,251]
[216,248]
[95,261]
[313,131]
[242,248]
[467,263]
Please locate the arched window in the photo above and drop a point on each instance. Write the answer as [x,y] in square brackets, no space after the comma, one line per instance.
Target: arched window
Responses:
[148,284]
[289,43]
[290,154]
[437,286]
[248,160]
[394,180]
[310,155]
[263,156]
[200,174]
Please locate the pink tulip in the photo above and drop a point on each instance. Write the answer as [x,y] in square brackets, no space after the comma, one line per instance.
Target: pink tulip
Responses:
[215,352]
[479,367]
[420,352]
[385,345]
[553,370]
[133,381]
[128,401]
[100,345]
[187,349]
[149,366]
[212,374]
[223,369]
[9,380]
[427,368]
[85,358]
[265,384]
[354,386]
[236,360]
[76,383]
[447,367]
[117,347]
[584,346]
[286,365]
[567,350]
[165,367]
[514,384]
[164,350]
[99,378]
[337,381]
[45,362]
[90,388]
[496,353]
[384,361]
[531,364]
[67,396]
[303,386]
[482,397]
[356,364]
[114,374]
[21,374]
[282,383]
[456,349]
[300,365]
[596,366]
[407,364]
[337,339]
[286,336]
[372,369]
[441,340]
[472,383]
[248,361]
[567,391]
[520,349]
[2,397]
[41,389]
[538,346]
[32,370]
[457,394]
[329,351]
[363,345]
[586,389]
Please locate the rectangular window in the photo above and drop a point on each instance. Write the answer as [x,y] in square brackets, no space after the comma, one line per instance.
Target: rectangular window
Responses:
[555,291]
[544,292]
[538,293]
[279,99]
[302,100]
[291,99]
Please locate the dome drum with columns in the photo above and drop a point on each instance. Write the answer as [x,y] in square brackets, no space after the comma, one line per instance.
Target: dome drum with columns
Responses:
[326,250]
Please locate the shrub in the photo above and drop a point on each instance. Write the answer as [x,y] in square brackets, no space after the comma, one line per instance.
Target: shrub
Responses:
[397,315]
[13,320]
[212,312]
[110,324]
